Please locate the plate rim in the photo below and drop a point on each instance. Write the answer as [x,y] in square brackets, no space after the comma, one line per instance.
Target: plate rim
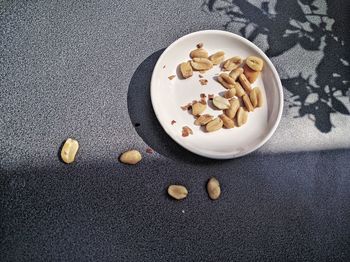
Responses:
[227,155]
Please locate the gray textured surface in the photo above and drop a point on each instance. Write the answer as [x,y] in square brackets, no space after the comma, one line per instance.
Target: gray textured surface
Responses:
[82,69]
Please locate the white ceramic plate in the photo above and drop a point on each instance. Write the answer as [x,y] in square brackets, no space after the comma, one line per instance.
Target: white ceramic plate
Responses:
[168,95]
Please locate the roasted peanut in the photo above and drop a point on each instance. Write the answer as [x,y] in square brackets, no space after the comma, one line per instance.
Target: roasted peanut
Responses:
[245,83]
[131,157]
[203,120]
[214,125]
[242,116]
[177,191]
[227,122]
[186,69]
[221,102]
[69,150]
[260,97]
[239,89]
[234,74]
[232,63]
[247,103]
[232,110]
[198,108]
[199,52]
[250,74]
[224,83]
[217,58]
[255,63]
[201,64]
[230,93]
[227,78]
[253,98]
[213,188]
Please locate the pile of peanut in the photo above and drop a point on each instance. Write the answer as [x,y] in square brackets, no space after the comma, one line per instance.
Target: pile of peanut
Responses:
[240,97]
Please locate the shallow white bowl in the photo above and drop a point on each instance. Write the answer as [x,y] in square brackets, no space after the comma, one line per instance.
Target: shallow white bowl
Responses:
[168,95]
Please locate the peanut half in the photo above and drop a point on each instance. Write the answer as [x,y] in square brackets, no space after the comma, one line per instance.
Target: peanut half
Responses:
[203,120]
[242,116]
[234,74]
[232,63]
[214,125]
[250,74]
[245,83]
[198,108]
[227,122]
[226,81]
[213,188]
[230,93]
[255,63]
[69,150]
[217,58]
[239,89]
[130,157]
[199,52]
[186,69]
[221,102]
[232,110]
[177,191]
[201,64]
[247,103]
[256,97]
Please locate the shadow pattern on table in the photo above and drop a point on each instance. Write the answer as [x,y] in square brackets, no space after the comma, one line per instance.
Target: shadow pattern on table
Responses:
[301,23]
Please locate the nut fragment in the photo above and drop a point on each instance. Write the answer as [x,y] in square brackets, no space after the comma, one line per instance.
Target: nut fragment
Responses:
[250,74]
[242,116]
[232,110]
[228,123]
[186,131]
[253,97]
[199,52]
[224,83]
[177,191]
[130,157]
[217,58]
[69,150]
[255,63]
[247,103]
[171,77]
[203,82]
[198,108]
[199,45]
[213,188]
[186,69]
[232,63]
[239,89]
[203,120]
[221,102]
[214,125]
[200,64]
[234,74]
[230,93]
[245,83]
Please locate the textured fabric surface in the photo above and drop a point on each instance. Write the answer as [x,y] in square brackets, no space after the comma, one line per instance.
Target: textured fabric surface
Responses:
[82,69]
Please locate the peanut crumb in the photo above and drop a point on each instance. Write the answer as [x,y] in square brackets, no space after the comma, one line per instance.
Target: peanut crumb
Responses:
[199,45]
[200,76]
[171,77]
[186,131]
[203,82]
[203,95]
[173,122]
[210,97]
[163,66]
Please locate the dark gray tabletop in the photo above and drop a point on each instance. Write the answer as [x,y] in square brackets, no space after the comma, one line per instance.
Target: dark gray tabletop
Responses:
[82,69]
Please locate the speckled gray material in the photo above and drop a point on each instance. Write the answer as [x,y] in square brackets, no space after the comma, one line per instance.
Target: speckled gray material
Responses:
[82,69]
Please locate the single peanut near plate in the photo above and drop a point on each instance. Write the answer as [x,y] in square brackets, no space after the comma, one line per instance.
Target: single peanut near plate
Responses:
[130,157]
[240,97]
[177,192]
[69,150]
